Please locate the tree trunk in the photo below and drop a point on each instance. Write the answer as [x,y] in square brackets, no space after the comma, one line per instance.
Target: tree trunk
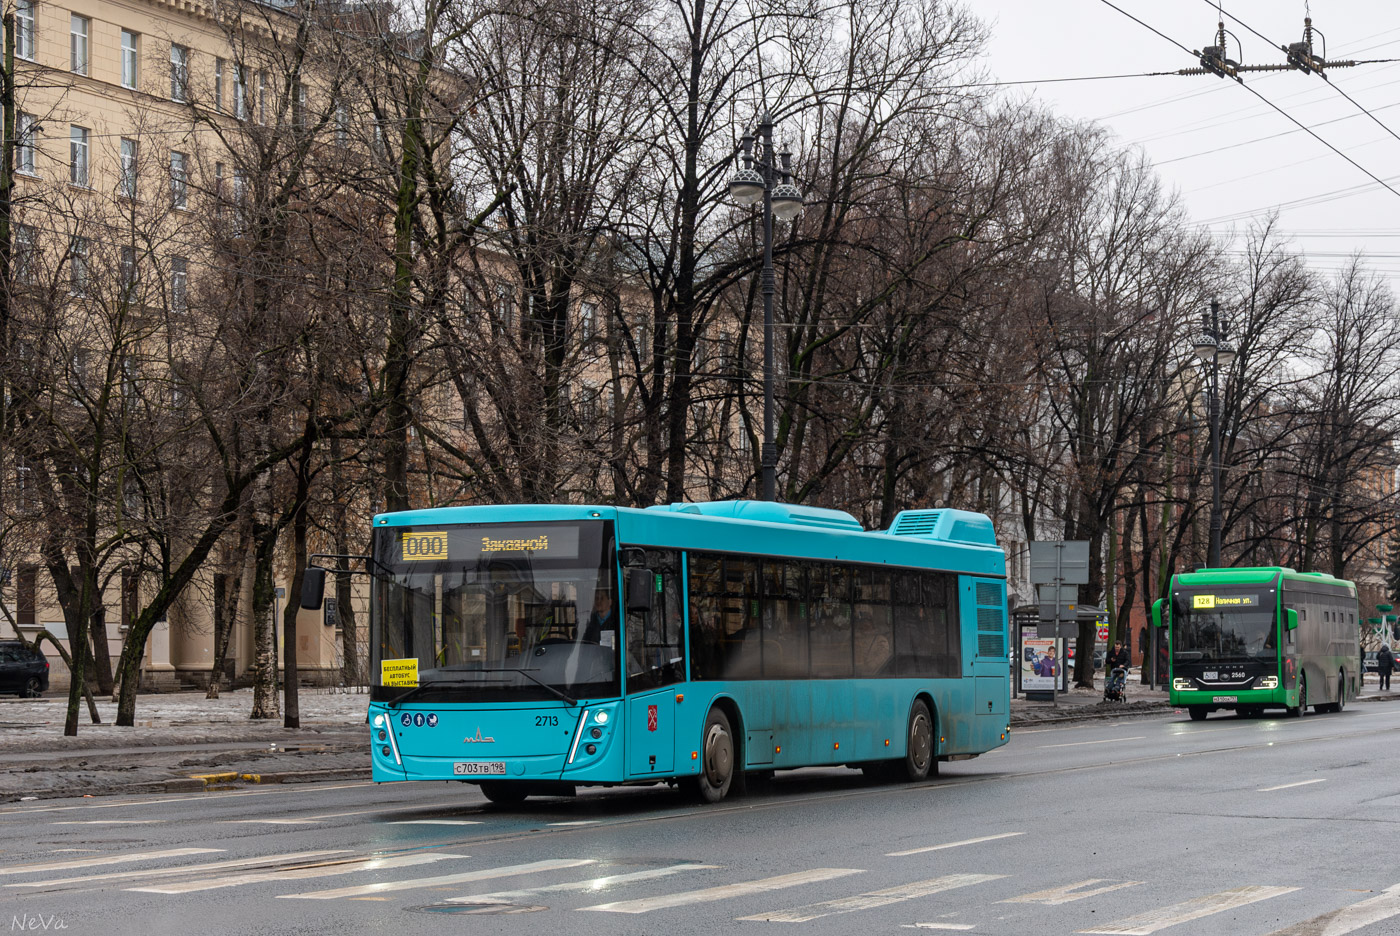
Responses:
[101,654]
[264,631]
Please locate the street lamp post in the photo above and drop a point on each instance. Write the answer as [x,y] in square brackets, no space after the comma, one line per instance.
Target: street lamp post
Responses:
[1217,353]
[767,175]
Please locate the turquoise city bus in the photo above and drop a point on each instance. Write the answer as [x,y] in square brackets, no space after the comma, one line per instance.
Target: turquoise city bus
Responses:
[534,649]
[1248,639]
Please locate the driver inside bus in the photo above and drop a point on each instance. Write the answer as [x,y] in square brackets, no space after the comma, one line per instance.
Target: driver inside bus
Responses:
[603,617]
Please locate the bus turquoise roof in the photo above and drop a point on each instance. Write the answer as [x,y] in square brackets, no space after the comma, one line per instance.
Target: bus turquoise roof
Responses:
[952,540]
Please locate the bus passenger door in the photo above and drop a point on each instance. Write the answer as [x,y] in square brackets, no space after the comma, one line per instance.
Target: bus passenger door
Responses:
[655,661]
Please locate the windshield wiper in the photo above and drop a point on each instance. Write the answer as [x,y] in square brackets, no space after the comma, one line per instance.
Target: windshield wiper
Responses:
[394,702]
[539,682]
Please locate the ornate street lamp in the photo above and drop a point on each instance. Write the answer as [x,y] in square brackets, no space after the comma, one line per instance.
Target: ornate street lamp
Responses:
[1217,353]
[767,174]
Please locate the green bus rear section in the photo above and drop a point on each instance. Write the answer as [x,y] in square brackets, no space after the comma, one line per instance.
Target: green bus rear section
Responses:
[1324,668]
[779,723]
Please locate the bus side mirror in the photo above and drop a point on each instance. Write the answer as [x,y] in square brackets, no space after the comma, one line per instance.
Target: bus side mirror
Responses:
[313,587]
[1292,619]
[1157,612]
[639,590]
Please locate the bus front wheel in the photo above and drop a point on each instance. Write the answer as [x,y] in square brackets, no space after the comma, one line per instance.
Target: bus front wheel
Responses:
[1302,707]
[1198,712]
[504,792]
[919,759]
[717,757]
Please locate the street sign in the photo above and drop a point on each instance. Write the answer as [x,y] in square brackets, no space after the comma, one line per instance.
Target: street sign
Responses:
[1103,632]
[1066,629]
[1069,600]
[1062,561]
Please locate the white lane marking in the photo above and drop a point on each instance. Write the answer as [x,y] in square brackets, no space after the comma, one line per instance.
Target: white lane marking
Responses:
[181,869]
[1289,786]
[936,926]
[577,822]
[1349,919]
[485,874]
[971,841]
[595,884]
[1150,922]
[328,869]
[1104,741]
[271,821]
[107,822]
[724,891]
[106,860]
[1055,896]
[434,822]
[879,898]
[201,798]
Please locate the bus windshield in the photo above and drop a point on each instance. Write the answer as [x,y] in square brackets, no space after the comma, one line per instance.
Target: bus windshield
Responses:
[1221,628]
[499,612]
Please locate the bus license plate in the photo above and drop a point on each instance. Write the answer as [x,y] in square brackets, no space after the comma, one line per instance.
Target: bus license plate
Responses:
[494,768]
[1226,698]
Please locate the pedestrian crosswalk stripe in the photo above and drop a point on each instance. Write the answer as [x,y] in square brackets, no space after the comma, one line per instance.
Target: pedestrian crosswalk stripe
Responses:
[937,926]
[444,880]
[1145,924]
[879,898]
[971,841]
[594,884]
[724,891]
[324,869]
[96,860]
[1071,892]
[182,869]
[1349,919]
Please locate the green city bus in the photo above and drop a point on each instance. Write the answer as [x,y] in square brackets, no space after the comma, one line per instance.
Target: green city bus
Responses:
[1249,639]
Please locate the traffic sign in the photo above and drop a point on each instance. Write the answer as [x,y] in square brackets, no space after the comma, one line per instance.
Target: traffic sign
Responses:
[1060,561]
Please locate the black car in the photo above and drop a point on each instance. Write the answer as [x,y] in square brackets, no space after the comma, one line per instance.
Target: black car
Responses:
[23,672]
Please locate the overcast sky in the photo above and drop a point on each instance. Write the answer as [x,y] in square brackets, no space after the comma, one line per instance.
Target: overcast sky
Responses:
[1230,155]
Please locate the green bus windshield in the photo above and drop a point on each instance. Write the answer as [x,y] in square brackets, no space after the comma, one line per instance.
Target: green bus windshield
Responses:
[1220,626]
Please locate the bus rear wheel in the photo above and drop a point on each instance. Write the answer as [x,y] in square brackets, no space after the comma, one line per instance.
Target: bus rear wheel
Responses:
[919,760]
[504,792]
[716,758]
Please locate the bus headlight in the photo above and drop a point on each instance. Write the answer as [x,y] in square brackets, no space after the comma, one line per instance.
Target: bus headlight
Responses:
[601,717]
[379,720]
[1268,682]
[1181,685]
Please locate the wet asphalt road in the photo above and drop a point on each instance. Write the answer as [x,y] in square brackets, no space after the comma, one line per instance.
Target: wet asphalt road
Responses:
[1230,826]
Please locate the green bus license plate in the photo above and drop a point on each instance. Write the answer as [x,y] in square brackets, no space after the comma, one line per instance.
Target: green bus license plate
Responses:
[494,768]
[1226,698]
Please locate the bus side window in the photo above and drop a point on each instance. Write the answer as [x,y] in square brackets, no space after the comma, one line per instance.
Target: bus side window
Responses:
[654,652]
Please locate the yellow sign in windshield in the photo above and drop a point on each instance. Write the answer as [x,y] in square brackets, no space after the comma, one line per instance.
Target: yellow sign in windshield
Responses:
[398,672]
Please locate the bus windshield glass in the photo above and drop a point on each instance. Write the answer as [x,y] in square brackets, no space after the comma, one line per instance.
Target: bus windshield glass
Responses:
[505,612]
[1235,627]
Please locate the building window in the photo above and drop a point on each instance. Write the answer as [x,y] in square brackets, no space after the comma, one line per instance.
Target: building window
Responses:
[78,43]
[126,181]
[218,187]
[128,59]
[24,29]
[505,306]
[342,124]
[179,73]
[262,97]
[77,266]
[299,106]
[130,273]
[26,130]
[240,92]
[587,320]
[179,284]
[25,251]
[78,155]
[179,181]
[219,85]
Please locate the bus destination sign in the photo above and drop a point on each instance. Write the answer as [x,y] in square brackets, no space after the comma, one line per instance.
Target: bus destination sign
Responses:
[1212,602]
[473,543]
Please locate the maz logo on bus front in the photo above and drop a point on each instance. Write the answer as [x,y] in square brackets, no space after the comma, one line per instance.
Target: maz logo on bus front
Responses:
[479,739]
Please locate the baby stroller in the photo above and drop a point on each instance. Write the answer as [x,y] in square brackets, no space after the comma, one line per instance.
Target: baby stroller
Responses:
[1115,684]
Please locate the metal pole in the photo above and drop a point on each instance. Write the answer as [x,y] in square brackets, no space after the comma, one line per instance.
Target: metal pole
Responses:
[1215,514]
[769,456]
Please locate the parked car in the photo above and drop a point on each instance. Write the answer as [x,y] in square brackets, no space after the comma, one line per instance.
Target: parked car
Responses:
[23,671]
[1099,657]
[1369,664]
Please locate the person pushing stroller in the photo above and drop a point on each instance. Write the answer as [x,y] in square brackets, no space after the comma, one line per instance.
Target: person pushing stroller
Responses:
[1115,684]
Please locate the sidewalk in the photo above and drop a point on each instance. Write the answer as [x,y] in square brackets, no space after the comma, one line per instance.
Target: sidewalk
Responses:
[183,742]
